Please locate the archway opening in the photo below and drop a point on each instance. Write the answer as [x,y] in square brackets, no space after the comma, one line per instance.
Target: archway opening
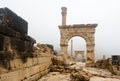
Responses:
[79,58]
[76,44]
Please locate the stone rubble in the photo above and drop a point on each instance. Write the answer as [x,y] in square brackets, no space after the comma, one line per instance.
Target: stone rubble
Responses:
[56,76]
[78,72]
[107,64]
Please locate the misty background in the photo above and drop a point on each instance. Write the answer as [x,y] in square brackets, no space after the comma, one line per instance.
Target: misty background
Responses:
[44,16]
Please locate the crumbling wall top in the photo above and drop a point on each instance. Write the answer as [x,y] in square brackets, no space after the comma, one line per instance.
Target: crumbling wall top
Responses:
[9,19]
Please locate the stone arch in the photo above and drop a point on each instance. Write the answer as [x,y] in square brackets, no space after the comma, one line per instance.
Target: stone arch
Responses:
[85,31]
[75,43]
[76,53]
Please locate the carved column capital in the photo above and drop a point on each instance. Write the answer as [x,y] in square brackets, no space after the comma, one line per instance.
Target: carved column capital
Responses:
[64,10]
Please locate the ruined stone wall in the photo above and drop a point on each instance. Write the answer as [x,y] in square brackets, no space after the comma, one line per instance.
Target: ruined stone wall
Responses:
[107,64]
[31,70]
[14,41]
[19,59]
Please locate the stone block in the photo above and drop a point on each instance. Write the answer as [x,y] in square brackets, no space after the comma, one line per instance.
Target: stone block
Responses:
[12,64]
[29,62]
[35,61]
[11,76]
[34,69]
[30,73]
[16,63]
[24,73]
[10,19]
[3,70]
[24,65]
[118,73]
[37,76]
[41,60]
[48,65]
[41,67]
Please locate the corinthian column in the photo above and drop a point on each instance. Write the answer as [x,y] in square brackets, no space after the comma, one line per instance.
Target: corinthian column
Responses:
[64,13]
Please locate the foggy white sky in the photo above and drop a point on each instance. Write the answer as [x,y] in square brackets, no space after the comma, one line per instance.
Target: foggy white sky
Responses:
[44,16]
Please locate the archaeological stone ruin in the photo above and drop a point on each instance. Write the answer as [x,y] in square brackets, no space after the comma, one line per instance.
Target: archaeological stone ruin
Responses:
[15,43]
[85,31]
[20,60]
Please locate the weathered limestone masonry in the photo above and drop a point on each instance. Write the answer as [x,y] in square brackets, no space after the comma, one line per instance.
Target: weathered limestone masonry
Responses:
[81,53]
[19,59]
[85,31]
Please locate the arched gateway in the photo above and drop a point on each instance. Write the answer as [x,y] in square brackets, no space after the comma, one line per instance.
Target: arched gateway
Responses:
[85,31]
[76,53]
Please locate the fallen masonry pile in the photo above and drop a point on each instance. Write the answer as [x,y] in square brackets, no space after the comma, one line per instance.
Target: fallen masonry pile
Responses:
[87,74]
[57,64]
[80,76]
[43,49]
[78,72]
[107,64]
[58,60]
[103,69]
[19,59]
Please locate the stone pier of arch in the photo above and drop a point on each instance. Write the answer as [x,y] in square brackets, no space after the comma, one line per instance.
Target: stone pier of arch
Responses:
[85,31]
